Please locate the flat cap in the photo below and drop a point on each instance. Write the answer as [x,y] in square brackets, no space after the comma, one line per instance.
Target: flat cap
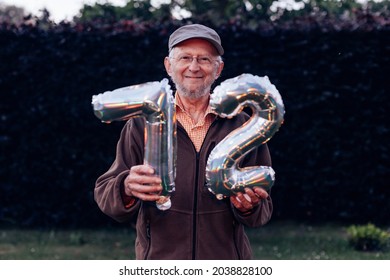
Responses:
[193,31]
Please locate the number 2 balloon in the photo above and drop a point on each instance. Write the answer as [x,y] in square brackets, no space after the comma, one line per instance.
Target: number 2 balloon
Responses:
[223,176]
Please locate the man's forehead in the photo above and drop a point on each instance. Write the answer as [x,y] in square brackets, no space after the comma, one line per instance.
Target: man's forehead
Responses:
[197,45]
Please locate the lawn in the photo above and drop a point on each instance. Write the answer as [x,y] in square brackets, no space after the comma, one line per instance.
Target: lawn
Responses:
[275,241]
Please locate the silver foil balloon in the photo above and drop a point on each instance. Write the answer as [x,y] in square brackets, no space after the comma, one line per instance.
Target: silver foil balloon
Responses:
[223,176]
[154,102]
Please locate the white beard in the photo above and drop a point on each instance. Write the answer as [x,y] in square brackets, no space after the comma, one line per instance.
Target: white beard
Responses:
[193,94]
[201,91]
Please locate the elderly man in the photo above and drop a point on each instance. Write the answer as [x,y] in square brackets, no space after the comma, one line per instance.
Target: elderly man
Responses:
[197,226]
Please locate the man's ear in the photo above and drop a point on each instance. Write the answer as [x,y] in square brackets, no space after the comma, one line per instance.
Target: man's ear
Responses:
[167,64]
[220,68]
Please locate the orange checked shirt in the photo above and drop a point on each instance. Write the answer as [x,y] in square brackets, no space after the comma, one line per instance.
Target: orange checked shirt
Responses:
[196,131]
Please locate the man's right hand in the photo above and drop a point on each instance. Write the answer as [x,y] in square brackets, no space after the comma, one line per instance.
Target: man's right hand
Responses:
[142,183]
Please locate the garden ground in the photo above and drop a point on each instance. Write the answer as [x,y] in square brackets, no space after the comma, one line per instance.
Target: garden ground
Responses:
[275,241]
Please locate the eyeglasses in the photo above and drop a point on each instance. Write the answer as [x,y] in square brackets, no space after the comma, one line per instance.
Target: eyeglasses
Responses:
[188,59]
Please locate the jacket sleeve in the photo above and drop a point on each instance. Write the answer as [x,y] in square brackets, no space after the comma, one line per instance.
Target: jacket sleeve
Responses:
[129,152]
[261,214]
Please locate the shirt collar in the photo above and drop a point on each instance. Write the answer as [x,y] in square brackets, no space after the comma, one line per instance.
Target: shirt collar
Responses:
[179,105]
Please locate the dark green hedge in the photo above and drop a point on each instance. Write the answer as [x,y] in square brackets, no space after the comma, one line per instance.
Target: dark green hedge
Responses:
[331,155]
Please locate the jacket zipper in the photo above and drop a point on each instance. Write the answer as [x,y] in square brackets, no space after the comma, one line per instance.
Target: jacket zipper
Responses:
[195,205]
[194,220]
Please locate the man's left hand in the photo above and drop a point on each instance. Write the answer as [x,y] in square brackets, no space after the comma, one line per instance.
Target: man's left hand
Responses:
[245,202]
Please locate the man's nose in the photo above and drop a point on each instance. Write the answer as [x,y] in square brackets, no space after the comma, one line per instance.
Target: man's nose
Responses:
[194,65]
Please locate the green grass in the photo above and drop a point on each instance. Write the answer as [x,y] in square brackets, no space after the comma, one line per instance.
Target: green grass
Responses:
[67,245]
[294,241]
[275,241]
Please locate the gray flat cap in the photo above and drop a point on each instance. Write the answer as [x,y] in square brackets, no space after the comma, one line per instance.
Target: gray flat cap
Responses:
[192,31]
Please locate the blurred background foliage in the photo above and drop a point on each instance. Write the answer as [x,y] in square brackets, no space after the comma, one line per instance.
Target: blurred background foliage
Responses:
[328,59]
[248,12]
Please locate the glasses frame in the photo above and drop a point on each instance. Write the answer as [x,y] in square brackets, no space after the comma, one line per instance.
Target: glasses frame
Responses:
[186,59]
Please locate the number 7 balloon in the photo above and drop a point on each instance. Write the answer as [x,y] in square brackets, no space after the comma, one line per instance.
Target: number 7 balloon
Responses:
[154,102]
[223,176]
